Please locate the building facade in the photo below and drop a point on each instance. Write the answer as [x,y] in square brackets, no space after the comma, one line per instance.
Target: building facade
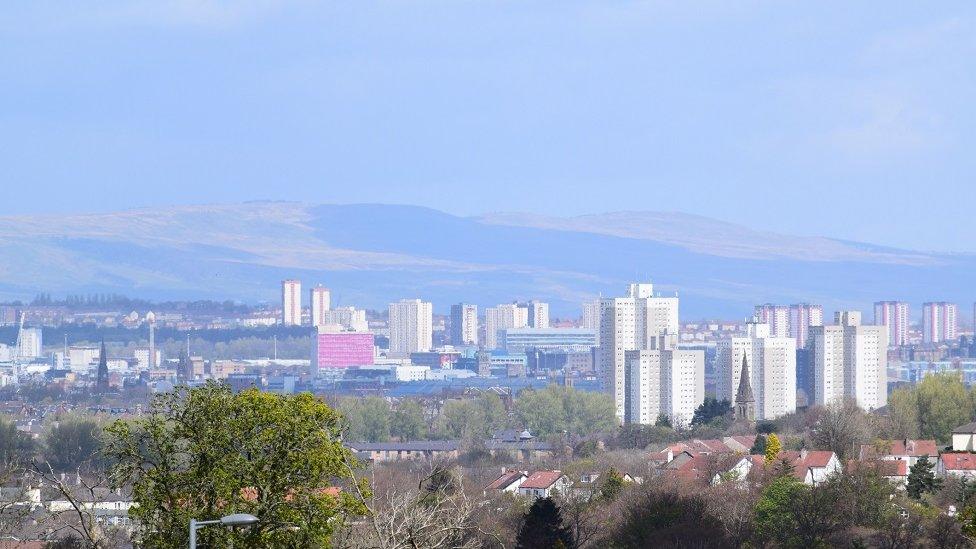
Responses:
[502,317]
[850,361]
[631,323]
[342,349]
[291,302]
[411,324]
[320,301]
[939,322]
[802,316]
[772,370]
[464,324]
[894,316]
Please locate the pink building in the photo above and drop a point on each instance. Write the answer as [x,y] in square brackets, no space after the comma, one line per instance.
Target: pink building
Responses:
[343,349]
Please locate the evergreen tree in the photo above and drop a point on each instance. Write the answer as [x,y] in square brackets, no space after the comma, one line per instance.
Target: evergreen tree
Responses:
[921,479]
[612,485]
[710,409]
[543,527]
[758,446]
[773,448]
[663,421]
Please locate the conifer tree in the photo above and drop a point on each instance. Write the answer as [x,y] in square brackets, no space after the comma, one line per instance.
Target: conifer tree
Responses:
[543,527]
[773,448]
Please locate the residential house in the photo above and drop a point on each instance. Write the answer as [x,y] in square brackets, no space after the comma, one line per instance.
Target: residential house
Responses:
[543,484]
[430,450]
[906,450]
[964,438]
[958,464]
[508,481]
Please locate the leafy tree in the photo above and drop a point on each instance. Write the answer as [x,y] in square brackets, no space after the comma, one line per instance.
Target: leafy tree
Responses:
[663,421]
[773,517]
[921,479]
[15,446]
[206,452]
[840,428]
[408,421]
[556,409]
[543,527]
[634,435]
[663,518]
[73,442]
[368,419]
[472,419]
[773,448]
[766,427]
[943,404]
[612,485]
[709,410]
[758,446]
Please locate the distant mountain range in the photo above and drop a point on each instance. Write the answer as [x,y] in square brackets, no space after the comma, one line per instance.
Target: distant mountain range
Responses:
[370,254]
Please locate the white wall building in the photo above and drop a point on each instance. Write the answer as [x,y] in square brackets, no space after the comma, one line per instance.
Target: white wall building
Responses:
[850,361]
[802,317]
[464,324]
[772,369]
[82,358]
[411,327]
[320,301]
[591,317]
[291,302]
[776,316]
[502,317]
[30,342]
[537,314]
[631,323]
[939,322]
[350,318]
[894,316]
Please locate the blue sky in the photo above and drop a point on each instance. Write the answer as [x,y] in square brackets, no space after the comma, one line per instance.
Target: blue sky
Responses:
[846,119]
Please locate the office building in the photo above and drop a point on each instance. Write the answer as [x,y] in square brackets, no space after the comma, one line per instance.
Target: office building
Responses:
[464,324]
[338,349]
[320,301]
[517,340]
[802,316]
[939,322]
[631,323]
[411,326]
[502,317]
[772,370]
[894,316]
[291,302]
[850,361]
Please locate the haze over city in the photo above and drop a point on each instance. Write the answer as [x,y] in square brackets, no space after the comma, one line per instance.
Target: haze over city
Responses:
[487,275]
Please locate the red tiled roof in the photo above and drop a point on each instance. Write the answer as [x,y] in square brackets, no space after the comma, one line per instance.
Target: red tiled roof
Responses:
[908,447]
[540,480]
[959,462]
[817,458]
[886,467]
[505,480]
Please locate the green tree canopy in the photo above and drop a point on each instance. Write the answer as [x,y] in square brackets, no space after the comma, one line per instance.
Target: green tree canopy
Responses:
[368,419]
[73,442]
[408,421]
[15,446]
[557,409]
[543,527]
[710,410]
[471,419]
[922,479]
[206,452]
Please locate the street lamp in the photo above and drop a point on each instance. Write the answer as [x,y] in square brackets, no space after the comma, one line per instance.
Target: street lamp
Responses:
[237,519]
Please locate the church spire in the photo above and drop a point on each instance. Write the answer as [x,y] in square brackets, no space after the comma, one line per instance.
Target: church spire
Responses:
[745,402]
[102,372]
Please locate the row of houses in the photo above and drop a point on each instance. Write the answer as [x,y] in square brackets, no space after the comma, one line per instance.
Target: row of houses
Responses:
[546,483]
[519,446]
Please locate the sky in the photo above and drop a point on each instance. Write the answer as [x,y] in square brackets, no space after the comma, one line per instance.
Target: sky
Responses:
[854,120]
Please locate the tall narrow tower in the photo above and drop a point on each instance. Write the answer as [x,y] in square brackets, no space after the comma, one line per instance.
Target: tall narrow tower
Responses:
[102,373]
[745,402]
[151,320]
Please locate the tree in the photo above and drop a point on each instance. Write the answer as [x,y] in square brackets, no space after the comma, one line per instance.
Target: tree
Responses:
[663,421]
[556,410]
[15,446]
[773,448]
[368,419]
[773,516]
[943,404]
[709,410]
[664,518]
[612,486]
[758,446]
[206,452]
[74,441]
[408,422]
[543,527]
[471,419]
[921,479]
[840,428]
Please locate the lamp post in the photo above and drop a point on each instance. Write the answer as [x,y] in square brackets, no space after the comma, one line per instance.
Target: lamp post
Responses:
[237,519]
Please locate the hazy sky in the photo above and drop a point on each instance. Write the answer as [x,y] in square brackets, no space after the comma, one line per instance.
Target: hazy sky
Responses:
[848,119]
